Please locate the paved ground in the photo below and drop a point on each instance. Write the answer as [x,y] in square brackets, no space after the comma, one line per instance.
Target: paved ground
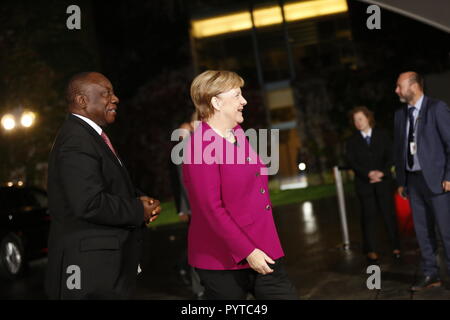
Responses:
[311,237]
[317,264]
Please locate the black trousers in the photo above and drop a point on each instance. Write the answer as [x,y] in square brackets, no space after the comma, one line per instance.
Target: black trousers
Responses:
[236,284]
[379,199]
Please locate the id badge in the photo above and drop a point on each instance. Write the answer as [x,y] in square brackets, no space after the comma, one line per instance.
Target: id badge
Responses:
[413,148]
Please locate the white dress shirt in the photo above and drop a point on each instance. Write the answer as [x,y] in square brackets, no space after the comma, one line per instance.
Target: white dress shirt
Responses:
[96,127]
[368,134]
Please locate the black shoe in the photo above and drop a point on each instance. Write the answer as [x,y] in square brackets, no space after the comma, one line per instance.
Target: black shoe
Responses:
[200,296]
[426,282]
[397,257]
[184,277]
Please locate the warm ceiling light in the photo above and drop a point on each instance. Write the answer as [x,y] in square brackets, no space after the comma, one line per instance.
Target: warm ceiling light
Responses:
[223,24]
[268,16]
[311,9]
[27,119]
[8,122]
[240,21]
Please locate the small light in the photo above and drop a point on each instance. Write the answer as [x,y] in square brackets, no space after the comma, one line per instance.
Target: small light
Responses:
[10,184]
[20,183]
[302,166]
[307,209]
[8,122]
[27,119]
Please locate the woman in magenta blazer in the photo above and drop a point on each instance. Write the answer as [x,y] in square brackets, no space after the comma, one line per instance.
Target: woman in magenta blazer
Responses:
[232,241]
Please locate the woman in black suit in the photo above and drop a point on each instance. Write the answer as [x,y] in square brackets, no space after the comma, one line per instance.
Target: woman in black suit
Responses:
[369,153]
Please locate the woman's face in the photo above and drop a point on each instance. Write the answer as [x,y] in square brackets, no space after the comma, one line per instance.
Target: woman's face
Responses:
[361,122]
[231,104]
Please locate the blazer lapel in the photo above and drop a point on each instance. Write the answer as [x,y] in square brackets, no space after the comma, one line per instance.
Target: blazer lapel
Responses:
[97,138]
[373,138]
[422,119]
[105,147]
[363,142]
[403,126]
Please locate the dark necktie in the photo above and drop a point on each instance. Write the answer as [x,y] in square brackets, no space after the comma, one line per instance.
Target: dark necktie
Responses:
[367,138]
[410,136]
[108,142]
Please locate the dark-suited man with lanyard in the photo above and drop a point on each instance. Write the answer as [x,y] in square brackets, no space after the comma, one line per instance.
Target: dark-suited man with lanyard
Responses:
[422,160]
[97,214]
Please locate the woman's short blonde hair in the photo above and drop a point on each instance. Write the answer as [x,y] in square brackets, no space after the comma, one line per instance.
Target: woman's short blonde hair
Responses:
[209,84]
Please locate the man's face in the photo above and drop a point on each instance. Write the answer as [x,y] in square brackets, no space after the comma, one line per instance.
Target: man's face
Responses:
[101,101]
[404,89]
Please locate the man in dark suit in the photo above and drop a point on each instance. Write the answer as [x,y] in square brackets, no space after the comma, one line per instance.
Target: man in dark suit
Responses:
[422,160]
[97,214]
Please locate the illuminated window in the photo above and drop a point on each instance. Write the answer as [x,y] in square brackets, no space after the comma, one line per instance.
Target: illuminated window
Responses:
[240,21]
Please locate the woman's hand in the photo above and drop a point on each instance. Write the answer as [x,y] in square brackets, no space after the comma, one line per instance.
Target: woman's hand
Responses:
[401,192]
[446,186]
[258,261]
[375,176]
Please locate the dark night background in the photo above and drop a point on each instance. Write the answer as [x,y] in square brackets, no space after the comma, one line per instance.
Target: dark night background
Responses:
[143,47]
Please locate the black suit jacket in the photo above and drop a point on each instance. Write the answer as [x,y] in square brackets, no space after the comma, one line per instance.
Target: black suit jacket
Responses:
[96,217]
[363,158]
[433,143]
